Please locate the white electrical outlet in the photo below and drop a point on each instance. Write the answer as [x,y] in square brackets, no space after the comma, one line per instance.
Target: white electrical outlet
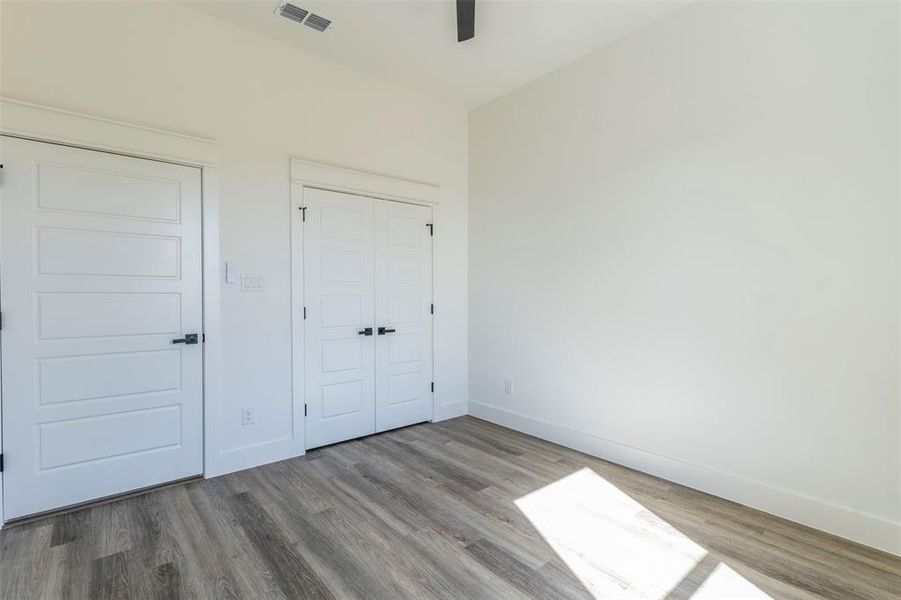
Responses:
[508,387]
[248,415]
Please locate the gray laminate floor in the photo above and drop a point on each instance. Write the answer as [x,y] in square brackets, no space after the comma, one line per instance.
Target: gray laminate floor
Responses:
[460,509]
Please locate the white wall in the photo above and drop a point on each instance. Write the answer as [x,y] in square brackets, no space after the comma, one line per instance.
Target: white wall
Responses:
[168,66]
[685,253]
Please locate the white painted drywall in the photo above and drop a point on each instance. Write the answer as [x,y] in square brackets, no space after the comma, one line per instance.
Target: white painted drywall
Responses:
[168,66]
[685,254]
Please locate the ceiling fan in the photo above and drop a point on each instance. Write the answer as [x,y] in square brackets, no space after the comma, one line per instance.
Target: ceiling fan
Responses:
[466,20]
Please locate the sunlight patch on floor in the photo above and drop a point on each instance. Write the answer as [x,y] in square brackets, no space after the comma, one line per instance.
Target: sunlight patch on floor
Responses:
[619,549]
[726,583]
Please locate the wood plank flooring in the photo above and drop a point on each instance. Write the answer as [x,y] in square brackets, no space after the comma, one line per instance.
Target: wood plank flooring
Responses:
[459,509]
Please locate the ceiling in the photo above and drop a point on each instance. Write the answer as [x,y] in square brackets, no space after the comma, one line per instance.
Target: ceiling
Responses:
[413,42]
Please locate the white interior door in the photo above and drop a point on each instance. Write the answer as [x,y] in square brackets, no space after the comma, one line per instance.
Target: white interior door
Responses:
[338,297]
[101,272]
[403,299]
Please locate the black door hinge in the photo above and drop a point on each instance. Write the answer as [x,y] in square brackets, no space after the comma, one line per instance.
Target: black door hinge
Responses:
[304,410]
[431,229]
[1,463]
[432,309]
[203,338]
[303,213]
[305,313]
[433,387]
[1,320]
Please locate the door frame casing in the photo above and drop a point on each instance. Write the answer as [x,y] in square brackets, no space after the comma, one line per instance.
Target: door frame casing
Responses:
[310,174]
[26,120]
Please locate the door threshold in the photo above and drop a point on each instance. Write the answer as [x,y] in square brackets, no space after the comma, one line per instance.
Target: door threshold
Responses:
[56,512]
[367,435]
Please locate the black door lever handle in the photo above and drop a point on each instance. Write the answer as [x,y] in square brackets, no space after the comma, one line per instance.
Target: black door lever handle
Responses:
[384,330]
[190,338]
[367,331]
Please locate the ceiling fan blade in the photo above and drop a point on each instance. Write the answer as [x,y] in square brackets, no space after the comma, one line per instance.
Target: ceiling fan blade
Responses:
[466,20]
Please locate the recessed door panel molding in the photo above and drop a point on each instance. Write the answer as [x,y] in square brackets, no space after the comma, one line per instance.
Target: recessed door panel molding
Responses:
[115,435]
[344,399]
[342,266]
[95,315]
[339,371]
[403,388]
[341,310]
[102,269]
[342,355]
[404,347]
[340,224]
[103,253]
[403,231]
[107,376]
[110,193]
[404,308]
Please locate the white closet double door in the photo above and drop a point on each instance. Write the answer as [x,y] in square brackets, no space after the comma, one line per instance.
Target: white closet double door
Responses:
[368,326]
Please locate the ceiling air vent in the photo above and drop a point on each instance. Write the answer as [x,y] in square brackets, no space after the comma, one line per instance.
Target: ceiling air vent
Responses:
[289,11]
[301,15]
[318,23]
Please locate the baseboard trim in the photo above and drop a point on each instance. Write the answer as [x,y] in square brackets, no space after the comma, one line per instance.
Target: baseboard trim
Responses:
[863,528]
[450,410]
[247,457]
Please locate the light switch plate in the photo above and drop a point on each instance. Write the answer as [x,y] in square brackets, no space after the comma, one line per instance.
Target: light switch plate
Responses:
[231,272]
[253,283]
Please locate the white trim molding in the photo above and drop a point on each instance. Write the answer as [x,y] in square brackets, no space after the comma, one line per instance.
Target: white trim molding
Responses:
[32,121]
[450,410]
[842,521]
[364,183]
[47,124]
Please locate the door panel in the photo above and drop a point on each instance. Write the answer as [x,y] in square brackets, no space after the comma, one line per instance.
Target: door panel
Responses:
[86,315]
[108,193]
[76,252]
[111,435]
[101,271]
[403,297]
[101,376]
[338,291]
